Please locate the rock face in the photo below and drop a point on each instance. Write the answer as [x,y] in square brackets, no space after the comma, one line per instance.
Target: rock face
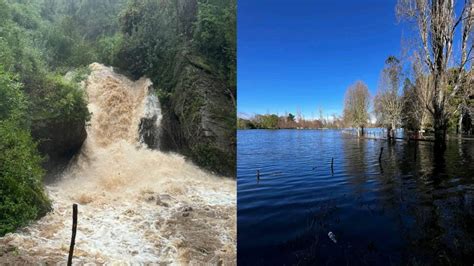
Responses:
[58,142]
[199,120]
[150,124]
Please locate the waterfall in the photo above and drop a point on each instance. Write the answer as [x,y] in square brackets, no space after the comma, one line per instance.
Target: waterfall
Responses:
[136,204]
[149,128]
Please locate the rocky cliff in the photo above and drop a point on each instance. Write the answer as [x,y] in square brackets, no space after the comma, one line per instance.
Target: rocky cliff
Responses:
[199,118]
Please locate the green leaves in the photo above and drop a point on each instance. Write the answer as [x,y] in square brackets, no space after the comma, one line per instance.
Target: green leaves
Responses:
[59,100]
[13,104]
[22,197]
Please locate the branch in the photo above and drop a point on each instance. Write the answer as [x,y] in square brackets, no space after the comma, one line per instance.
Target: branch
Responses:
[462,15]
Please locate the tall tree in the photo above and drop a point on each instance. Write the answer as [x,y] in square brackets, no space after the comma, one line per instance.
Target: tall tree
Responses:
[388,101]
[438,26]
[356,106]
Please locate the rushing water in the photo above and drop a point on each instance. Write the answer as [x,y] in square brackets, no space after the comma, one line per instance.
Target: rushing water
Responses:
[136,205]
[414,207]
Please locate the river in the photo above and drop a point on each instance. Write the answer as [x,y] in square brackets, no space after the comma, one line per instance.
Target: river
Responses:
[136,205]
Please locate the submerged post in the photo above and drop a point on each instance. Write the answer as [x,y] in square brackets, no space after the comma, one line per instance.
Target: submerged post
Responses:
[73,237]
[332,165]
[380,155]
[258,174]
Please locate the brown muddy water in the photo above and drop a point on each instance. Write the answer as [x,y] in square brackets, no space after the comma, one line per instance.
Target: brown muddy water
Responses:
[136,205]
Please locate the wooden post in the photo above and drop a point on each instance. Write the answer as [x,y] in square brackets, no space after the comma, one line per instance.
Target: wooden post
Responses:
[380,155]
[332,165]
[258,174]
[73,237]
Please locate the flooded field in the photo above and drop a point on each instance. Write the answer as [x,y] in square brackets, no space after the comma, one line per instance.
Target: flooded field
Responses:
[415,206]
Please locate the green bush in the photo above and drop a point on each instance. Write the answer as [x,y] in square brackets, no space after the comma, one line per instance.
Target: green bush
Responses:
[108,47]
[13,104]
[21,191]
[59,100]
[22,197]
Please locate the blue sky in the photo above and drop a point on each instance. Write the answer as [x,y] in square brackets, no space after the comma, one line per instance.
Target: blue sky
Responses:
[304,54]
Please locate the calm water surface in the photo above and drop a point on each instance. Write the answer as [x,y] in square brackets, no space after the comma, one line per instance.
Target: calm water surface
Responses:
[416,207]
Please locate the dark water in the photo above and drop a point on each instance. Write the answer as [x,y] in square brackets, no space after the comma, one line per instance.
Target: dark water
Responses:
[413,208]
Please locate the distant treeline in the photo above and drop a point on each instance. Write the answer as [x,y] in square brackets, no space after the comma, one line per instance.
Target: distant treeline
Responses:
[288,121]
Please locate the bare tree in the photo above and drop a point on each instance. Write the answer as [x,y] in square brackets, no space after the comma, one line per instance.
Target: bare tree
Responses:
[388,102]
[356,106]
[321,117]
[437,24]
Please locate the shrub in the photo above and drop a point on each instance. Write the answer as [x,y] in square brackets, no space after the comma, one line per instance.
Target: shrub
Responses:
[21,191]
[59,100]
[22,197]
[13,103]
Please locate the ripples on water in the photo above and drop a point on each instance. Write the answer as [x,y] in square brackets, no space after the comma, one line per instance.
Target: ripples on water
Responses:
[413,208]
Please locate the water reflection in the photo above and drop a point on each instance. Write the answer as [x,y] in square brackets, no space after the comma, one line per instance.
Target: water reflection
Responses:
[414,207]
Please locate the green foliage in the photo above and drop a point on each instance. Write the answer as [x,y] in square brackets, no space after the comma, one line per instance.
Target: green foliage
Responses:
[171,40]
[150,40]
[215,36]
[268,121]
[245,124]
[59,100]
[291,117]
[18,53]
[155,31]
[21,192]
[108,48]
[22,197]
[38,38]
[78,33]
[13,104]
[411,103]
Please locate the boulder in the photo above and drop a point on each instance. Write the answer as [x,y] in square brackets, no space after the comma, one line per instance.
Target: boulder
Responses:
[58,141]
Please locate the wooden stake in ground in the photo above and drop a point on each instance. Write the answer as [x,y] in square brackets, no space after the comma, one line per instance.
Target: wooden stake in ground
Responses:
[73,237]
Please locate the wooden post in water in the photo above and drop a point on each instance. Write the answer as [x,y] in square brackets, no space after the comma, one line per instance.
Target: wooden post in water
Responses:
[332,165]
[258,175]
[380,155]
[73,237]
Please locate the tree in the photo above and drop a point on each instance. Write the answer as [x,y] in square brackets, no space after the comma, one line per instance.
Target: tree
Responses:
[388,101]
[438,26]
[462,104]
[269,121]
[291,117]
[356,106]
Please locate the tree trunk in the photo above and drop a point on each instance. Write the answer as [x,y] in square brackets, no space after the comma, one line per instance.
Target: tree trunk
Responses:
[392,131]
[440,126]
[460,123]
[362,131]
